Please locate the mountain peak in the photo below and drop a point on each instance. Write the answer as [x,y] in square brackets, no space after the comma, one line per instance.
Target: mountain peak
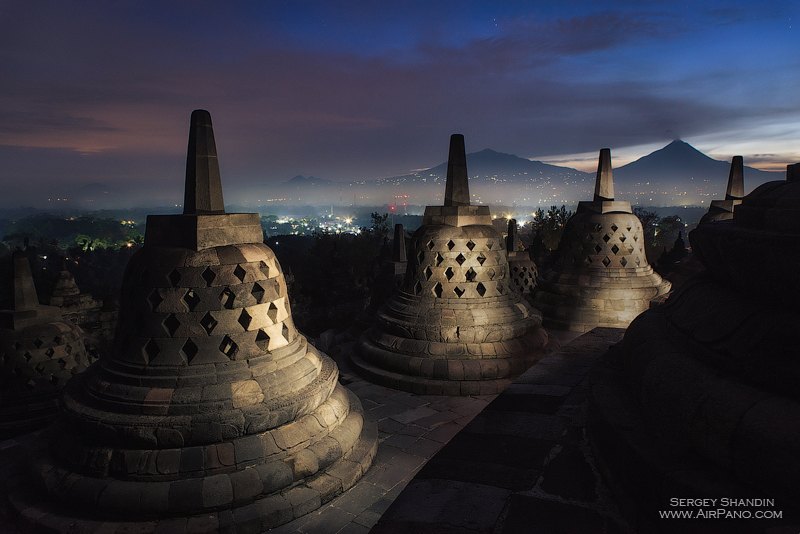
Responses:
[676,153]
[680,144]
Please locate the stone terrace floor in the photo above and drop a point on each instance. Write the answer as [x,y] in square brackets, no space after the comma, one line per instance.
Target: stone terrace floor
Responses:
[523,465]
[412,429]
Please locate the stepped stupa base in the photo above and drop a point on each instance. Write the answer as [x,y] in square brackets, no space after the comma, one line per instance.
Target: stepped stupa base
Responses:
[20,419]
[436,368]
[579,303]
[255,514]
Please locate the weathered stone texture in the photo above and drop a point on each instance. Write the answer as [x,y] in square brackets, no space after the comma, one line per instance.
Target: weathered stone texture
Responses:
[210,403]
[602,277]
[39,353]
[700,397]
[455,326]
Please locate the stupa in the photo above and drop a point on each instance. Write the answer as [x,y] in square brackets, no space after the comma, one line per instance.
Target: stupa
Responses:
[212,413]
[455,327]
[39,353]
[399,259]
[521,267]
[601,276]
[722,210]
[700,398]
[77,307]
[392,271]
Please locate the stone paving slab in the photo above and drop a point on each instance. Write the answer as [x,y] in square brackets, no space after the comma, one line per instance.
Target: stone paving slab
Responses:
[523,465]
[412,429]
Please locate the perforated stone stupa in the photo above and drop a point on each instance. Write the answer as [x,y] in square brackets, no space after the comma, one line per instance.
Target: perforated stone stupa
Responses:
[39,353]
[722,210]
[601,276]
[455,327]
[522,268]
[213,413]
[700,398]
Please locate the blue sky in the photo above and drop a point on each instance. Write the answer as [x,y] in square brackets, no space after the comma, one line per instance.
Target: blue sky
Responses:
[102,91]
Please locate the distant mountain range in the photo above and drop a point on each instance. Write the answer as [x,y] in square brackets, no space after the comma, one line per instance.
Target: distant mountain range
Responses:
[491,166]
[496,177]
[677,174]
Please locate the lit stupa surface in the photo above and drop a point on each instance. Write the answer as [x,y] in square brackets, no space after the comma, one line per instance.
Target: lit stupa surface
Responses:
[455,327]
[39,353]
[213,412]
[601,277]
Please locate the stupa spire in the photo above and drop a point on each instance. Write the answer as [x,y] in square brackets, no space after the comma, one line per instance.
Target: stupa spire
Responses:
[736,179]
[604,183]
[203,193]
[456,192]
[399,244]
[25,297]
[511,239]
[793,172]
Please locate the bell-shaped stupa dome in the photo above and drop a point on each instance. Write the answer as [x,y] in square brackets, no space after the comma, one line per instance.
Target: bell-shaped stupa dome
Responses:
[212,411]
[601,277]
[39,353]
[65,289]
[455,327]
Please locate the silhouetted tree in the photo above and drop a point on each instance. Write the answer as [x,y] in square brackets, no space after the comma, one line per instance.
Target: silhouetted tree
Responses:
[379,225]
[550,225]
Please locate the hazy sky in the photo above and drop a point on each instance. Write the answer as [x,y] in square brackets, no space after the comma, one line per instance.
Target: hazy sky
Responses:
[102,91]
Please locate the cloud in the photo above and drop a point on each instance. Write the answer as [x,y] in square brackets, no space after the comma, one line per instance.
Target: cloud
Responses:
[118,81]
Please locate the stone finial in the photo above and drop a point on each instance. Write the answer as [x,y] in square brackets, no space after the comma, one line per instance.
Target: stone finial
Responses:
[511,239]
[736,179]
[25,297]
[399,244]
[793,173]
[203,194]
[456,192]
[604,183]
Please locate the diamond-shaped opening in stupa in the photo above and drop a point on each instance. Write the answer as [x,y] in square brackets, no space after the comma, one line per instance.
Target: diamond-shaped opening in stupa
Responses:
[437,289]
[208,323]
[171,324]
[239,272]
[481,289]
[191,299]
[208,275]
[228,347]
